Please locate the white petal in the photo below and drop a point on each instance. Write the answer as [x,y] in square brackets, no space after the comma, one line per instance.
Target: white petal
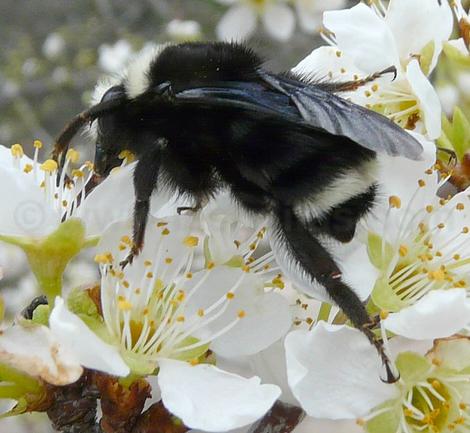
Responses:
[35,351]
[334,372]
[110,201]
[363,36]
[279,21]
[313,425]
[439,314]
[429,21]
[427,97]
[89,349]
[23,210]
[238,23]
[267,315]
[210,399]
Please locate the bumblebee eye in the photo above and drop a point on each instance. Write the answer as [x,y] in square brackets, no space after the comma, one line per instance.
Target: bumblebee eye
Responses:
[113,93]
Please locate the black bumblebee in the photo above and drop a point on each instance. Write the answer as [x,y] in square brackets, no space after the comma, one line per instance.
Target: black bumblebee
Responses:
[206,116]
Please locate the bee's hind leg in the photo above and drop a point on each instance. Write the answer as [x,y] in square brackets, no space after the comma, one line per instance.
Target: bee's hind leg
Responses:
[320,265]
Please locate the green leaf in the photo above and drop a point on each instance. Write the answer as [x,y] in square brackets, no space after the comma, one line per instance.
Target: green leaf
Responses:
[380,252]
[412,367]
[461,133]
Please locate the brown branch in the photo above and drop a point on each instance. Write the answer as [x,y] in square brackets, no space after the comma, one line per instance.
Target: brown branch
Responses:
[156,419]
[282,418]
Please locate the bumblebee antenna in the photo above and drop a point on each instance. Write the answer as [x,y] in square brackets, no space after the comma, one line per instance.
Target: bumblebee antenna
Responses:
[63,141]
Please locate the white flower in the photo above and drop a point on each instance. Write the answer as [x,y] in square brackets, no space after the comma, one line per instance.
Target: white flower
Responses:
[113,58]
[183,30]
[53,46]
[48,353]
[431,395]
[240,21]
[310,12]
[34,205]
[370,39]
[164,315]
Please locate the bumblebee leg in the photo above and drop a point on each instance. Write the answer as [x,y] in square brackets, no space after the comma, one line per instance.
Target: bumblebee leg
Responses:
[319,264]
[145,181]
[200,203]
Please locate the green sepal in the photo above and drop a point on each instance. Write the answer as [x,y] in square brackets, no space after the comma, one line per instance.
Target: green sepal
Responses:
[385,298]
[49,256]
[456,55]
[413,367]
[235,262]
[41,315]
[380,252]
[191,354]
[386,422]
[426,56]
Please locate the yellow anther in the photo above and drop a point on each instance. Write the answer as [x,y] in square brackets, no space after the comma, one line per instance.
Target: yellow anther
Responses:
[438,254]
[343,70]
[456,257]
[230,295]
[368,94]
[383,314]
[149,274]
[442,201]
[28,168]
[78,173]
[403,250]
[441,226]
[49,166]
[89,165]
[463,406]
[423,228]
[37,144]
[408,412]
[168,260]
[237,243]
[181,296]
[421,183]
[194,362]
[210,265]
[180,319]
[465,230]
[162,224]
[437,275]
[460,206]
[253,246]
[191,241]
[375,87]
[73,156]
[147,263]
[165,232]
[246,268]
[145,311]
[277,282]
[241,314]
[124,305]
[126,284]
[437,362]
[200,312]
[189,275]
[436,384]
[102,259]
[17,150]
[361,422]
[65,203]
[339,53]
[122,247]
[137,291]
[394,201]
[127,155]
[429,208]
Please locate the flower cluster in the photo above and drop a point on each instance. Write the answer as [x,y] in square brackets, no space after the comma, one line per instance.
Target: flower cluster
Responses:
[210,314]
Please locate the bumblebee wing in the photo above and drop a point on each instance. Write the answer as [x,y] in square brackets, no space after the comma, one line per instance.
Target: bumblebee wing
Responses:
[338,116]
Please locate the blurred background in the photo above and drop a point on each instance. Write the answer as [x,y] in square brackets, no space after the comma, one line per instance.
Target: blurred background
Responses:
[53,52]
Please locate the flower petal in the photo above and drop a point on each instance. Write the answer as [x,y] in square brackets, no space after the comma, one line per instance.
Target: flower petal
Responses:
[439,314]
[279,21]
[238,23]
[364,36]
[112,200]
[427,97]
[334,372]
[88,348]
[267,316]
[210,399]
[35,351]
[431,21]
